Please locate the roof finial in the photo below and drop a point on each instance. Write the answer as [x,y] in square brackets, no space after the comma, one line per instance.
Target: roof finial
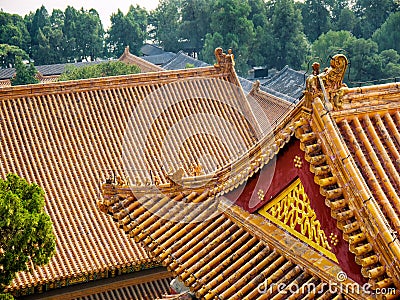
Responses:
[224,61]
[327,84]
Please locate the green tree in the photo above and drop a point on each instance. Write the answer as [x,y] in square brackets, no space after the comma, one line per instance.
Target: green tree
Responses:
[82,34]
[127,30]
[390,63]
[372,14]
[48,40]
[24,74]
[335,8]
[329,43]
[195,24]
[110,68]
[212,41]
[315,18]
[6,297]
[347,20]
[27,237]
[8,54]
[290,43]
[13,31]
[70,34]
[166,21]
[261,46]
[365,61]
[388,35]
[88,36]
[230,21]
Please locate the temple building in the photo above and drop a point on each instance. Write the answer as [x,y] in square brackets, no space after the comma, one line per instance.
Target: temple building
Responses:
[306,210]
[216,192]
[68,137]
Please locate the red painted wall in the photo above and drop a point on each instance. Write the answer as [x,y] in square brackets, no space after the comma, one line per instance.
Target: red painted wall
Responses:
[274,178]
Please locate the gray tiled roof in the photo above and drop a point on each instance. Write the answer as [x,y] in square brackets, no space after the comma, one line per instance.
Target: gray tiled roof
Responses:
[47,70]
[160,59]
[57,69]
[181,60]
[149,49]
[287,82]
[7,73]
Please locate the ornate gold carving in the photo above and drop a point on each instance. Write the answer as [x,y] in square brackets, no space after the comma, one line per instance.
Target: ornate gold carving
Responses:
[255,87]
[328,84]
[196,170]
[334,239]
[260,194]
[79,279]
[297,162]
[292,211]
[224,61]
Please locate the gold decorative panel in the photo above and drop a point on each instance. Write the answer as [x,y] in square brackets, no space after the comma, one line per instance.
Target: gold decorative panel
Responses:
[292,211]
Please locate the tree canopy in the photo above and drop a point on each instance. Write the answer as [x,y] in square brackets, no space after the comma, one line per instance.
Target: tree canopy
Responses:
[269,33]
[127,30]
[110,68]
[27,237]
[24,73]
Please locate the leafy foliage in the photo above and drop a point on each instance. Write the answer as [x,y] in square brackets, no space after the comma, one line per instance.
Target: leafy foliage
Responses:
[372,15]
[8,54]
[6,297]
[13,31]
[316,18]
[233,29]
[195,24]
[24,74]
[388,35]
[165,20]
[291,45]
[110,68]
[127,30]
[27,237]
[270,33]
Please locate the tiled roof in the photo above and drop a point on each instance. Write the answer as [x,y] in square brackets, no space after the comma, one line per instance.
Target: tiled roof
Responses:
[368,139]
[7,73]
[287,82]
[48,70]
[181,60]
[160,59]
[142,291]
[144,65]
[150,49]
[206,244]
[57,69]
[210,253]
[352,142]
[274,108]
[5,83]
[65,135]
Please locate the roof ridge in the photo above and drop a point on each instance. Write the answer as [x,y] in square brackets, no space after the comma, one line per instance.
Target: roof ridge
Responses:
[111,81]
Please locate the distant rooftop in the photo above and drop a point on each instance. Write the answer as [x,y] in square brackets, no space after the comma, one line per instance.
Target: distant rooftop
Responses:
[160,59]
[48,70]
[150,49]
[181,60]
[287,82]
